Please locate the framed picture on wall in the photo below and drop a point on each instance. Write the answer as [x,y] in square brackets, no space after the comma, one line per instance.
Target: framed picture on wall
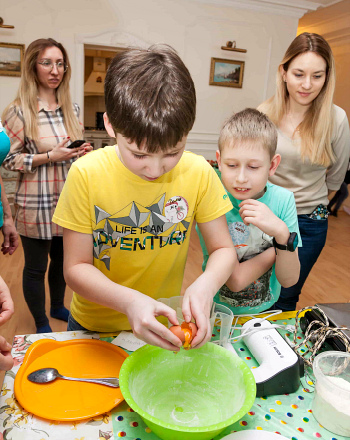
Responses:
[226,73]
[11,58]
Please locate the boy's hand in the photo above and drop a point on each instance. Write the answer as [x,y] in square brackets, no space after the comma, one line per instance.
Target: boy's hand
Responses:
[6,303]
[258,214]
[142,314]
[6,360]
[197,304]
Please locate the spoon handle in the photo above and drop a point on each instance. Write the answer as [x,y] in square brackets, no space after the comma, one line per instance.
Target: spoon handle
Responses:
[109,381]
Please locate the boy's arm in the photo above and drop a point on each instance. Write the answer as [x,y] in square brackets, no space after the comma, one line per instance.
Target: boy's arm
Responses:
[85,279]
[287,266]
[6,311]
[248,271]
[199,295]
[6,360]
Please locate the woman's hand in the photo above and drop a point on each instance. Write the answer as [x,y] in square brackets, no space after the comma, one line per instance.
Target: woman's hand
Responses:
[62,153]
[87,147]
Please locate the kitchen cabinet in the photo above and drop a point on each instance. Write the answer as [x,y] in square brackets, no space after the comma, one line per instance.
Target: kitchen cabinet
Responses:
[98,138]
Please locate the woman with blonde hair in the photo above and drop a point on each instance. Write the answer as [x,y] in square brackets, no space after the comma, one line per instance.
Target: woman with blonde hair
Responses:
[41,122]
[313,141]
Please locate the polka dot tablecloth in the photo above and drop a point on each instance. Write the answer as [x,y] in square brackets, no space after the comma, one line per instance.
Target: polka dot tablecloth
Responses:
[289,414]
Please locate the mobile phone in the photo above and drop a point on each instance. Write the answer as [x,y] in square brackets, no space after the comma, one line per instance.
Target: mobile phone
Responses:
[76,144]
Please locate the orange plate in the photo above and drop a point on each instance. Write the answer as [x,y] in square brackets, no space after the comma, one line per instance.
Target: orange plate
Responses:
[65,399]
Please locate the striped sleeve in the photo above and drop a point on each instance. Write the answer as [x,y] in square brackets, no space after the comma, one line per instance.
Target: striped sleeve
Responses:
[17,159]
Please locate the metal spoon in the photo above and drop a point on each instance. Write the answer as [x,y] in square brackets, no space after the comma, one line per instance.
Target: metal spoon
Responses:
[45,375]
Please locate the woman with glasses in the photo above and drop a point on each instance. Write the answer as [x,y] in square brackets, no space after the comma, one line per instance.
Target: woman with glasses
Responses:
[41,123]
[313,141]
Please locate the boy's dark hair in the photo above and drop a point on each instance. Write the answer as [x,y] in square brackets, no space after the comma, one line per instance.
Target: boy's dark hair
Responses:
[150,96]
[249,125]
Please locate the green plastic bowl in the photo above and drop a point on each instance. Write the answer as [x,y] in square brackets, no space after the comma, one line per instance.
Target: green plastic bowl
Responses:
[191,395]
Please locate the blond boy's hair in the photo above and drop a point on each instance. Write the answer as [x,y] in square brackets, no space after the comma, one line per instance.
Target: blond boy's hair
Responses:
[249,125]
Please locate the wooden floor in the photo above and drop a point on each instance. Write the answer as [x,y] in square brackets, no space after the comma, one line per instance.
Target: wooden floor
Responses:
[329,281]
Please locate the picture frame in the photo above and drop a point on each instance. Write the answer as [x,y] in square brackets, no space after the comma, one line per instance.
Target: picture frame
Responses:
[226,73]
[11,59]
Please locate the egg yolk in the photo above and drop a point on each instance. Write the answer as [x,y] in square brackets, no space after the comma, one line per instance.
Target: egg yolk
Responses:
[186,328]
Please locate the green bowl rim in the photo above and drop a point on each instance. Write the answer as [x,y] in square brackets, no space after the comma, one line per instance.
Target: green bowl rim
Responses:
[247,404]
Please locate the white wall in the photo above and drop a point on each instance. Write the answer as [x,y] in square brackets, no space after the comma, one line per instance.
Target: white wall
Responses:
[195,29]
[333,23]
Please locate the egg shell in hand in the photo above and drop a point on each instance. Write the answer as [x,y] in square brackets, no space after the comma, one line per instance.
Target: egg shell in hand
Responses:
[194,329]
[176,329]
[179,332]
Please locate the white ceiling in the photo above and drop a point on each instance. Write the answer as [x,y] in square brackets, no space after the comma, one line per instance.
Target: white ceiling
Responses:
[324,3]
[313,4]
[295,8]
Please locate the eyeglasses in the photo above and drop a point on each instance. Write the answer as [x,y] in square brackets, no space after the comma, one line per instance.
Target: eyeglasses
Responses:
[48,65]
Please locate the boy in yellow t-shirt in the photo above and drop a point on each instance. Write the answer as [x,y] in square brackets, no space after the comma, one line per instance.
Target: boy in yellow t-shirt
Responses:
[128,210]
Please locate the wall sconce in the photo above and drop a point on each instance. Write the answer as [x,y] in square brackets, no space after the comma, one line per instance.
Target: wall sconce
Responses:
[231,45]
[6,26]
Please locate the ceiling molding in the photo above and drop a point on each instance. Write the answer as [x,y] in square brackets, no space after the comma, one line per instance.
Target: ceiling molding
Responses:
[112,38]
[333,29]
[330,2]
[337,38]
[278,7]
[337,21]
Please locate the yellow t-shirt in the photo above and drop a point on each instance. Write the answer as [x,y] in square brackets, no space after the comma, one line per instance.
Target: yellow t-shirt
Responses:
[140,229]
